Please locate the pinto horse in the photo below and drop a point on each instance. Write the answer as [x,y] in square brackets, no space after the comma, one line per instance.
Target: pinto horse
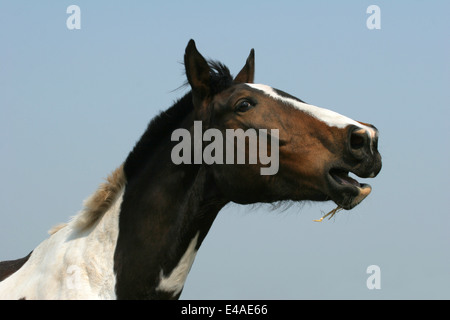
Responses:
[137,235]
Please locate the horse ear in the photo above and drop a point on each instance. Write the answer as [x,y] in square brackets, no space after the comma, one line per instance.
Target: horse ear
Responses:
[197,72]
[247,74]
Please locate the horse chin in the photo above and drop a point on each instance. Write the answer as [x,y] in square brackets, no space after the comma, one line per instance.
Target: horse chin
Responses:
[349,200]
[345,191]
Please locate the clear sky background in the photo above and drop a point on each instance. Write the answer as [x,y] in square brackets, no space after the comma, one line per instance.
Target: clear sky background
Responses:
[74,102]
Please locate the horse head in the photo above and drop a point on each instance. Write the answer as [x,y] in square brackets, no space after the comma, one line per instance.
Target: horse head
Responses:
[316,148]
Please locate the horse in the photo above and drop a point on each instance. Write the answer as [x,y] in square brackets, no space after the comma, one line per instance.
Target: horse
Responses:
[137,235]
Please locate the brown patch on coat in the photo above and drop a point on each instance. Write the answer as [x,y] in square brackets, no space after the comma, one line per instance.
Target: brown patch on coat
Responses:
[7,268]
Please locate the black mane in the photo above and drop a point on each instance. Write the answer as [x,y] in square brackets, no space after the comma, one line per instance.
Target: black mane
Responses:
[169,120]
[221,78]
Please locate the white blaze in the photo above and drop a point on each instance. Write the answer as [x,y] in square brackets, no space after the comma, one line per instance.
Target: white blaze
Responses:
[331,118]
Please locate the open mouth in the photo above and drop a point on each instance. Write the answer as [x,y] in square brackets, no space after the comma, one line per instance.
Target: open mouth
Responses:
[347,191]
[342,177]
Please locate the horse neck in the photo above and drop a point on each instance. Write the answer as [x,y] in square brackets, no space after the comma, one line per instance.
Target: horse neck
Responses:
[166,213]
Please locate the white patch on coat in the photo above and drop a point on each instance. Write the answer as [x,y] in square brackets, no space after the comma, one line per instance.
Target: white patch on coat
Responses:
[175,281]
[72,263]
[331,118]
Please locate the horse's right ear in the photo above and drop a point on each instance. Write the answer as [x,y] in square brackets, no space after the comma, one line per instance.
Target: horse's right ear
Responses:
[197,72]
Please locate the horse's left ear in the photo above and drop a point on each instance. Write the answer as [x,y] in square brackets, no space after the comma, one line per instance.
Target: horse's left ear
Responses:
[247,74]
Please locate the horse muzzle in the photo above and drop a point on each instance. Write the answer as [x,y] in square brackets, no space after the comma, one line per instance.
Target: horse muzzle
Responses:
[361,157]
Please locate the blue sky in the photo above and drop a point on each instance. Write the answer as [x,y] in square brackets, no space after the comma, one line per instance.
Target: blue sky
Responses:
[74,102]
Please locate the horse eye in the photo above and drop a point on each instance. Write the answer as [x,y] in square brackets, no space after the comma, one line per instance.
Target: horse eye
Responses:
[244,105]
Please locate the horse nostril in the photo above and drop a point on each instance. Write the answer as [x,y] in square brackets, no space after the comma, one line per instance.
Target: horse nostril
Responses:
[358,139]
